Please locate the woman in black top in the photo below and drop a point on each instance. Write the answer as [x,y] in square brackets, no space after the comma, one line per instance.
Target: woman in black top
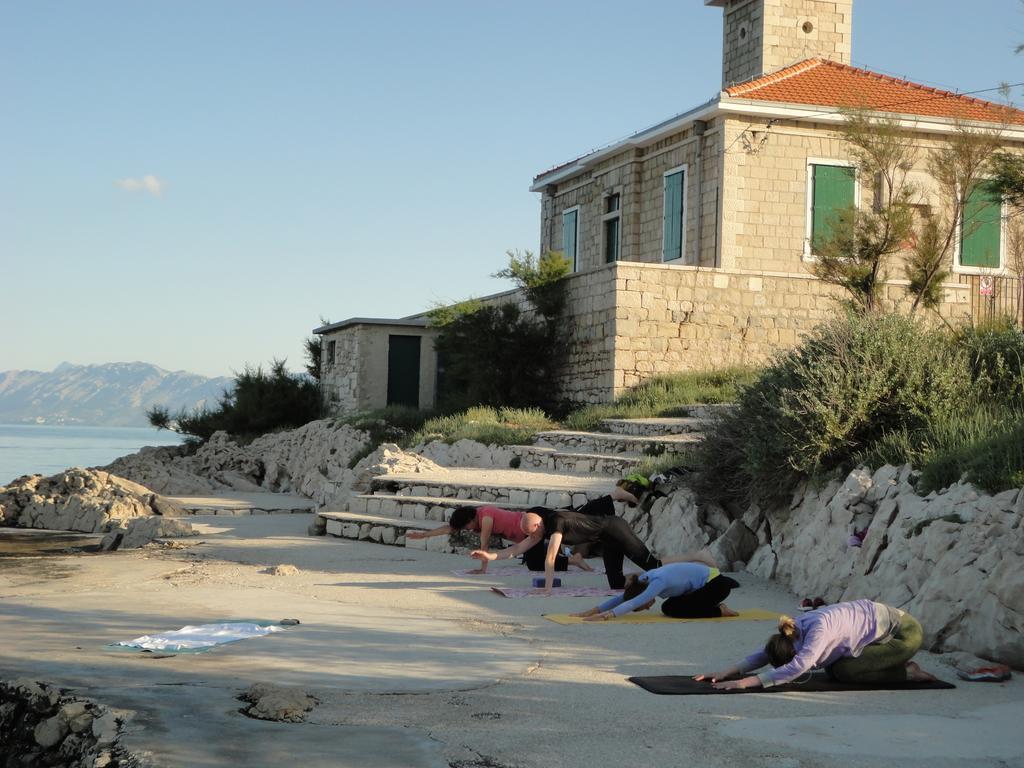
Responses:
[563,526]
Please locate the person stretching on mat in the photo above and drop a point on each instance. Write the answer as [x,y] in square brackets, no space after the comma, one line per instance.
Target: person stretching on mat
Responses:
[857,642]
[512,525]
[573,528]
[692,590]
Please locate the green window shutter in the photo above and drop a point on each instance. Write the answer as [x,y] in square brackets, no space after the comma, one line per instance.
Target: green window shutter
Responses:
[673,239]
[833,192]
[569,228]
[980,233]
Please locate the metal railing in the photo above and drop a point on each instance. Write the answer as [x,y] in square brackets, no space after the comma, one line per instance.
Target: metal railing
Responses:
[995,296]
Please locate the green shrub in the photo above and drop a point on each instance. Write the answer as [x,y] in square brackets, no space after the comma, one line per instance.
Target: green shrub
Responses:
[498,356]
[854,381]
[505,356]
[490,426]
[667,395]
[992,461]
[260,402]
[996,353]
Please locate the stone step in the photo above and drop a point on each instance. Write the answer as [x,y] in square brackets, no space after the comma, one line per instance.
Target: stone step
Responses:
[387,529]
[541,457]
[655,427]
[436,509]
[498,486]
[607,443]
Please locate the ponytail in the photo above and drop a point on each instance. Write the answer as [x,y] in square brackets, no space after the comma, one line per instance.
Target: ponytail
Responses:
[780,649]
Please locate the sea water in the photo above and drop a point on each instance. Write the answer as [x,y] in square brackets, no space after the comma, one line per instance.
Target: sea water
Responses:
[46,449]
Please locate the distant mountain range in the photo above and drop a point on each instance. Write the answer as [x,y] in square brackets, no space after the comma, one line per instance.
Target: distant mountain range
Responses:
[111,394]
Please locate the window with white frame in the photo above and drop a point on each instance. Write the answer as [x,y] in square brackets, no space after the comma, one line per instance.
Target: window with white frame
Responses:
[831,189]
[673,242]
[980,245]
[571,234]
[610,225]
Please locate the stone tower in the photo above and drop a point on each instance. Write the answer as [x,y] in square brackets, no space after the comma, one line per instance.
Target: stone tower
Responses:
[763,36]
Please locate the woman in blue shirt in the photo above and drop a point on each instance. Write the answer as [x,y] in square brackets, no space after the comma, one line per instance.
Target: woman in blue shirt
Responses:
[690,591]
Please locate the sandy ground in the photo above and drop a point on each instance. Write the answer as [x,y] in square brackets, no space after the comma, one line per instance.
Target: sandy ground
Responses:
[416,667]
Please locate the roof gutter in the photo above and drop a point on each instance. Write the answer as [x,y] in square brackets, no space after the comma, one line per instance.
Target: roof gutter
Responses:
[925,123]
[647,136]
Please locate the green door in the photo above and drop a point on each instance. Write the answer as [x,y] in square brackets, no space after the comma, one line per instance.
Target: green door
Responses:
[404,370]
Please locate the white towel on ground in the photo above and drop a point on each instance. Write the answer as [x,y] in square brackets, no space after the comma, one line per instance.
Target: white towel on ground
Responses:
[201,636]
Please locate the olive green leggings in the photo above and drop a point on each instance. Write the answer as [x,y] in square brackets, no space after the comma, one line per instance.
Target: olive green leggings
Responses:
[882,662]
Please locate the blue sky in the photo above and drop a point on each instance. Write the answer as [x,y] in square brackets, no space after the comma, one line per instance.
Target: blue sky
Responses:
[196,184]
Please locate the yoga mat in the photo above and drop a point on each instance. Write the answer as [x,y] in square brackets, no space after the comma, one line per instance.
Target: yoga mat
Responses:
[657,617]
[682,685]
[559,592]
[518,570]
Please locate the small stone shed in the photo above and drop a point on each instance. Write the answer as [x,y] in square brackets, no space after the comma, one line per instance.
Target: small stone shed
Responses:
[368,363]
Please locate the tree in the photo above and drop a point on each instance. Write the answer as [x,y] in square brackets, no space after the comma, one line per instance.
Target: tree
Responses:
[863,241]
[502,355]
[958,166]
[855,255]
[260,402]
[313,352]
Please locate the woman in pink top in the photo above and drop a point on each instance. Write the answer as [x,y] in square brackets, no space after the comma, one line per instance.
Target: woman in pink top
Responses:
[512,525]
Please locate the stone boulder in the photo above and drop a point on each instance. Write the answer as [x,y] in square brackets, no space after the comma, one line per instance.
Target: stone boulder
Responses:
[311,461]
[141,531]
[271,702]
[86,500]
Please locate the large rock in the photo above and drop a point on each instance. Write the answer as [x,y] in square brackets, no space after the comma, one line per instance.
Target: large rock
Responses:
[140,532]
[954,559]
[84,500]
[271,702]
[311,461]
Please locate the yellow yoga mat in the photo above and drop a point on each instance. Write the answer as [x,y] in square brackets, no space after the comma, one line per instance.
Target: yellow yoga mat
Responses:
[656,617]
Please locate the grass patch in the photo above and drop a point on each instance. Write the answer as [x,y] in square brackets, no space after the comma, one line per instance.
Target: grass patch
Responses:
[667,396]
[490,426]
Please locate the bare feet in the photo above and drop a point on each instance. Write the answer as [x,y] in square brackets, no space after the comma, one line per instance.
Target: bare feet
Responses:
[727,611]
[918,675]
[579,561]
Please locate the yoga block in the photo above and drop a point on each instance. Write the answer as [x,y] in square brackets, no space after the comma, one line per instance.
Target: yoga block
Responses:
[538,581]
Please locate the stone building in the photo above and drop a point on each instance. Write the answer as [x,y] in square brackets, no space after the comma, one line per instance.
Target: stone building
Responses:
[691,241]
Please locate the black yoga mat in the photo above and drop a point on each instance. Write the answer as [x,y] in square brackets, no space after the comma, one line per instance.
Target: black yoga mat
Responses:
[681,685]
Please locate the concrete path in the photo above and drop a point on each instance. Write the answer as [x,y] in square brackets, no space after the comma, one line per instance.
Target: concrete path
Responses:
[416,667]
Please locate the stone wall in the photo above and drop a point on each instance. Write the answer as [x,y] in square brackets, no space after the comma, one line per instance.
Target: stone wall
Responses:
[637,175]
[632,321]
[763,36]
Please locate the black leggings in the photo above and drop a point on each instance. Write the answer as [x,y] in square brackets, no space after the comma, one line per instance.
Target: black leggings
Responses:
[701,603]
[535,555]
[618,541]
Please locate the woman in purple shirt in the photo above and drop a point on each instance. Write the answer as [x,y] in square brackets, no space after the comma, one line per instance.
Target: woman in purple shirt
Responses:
[856,642]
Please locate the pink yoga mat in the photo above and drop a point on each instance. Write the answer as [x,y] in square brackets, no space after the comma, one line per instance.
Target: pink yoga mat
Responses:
[558,592]
[521,569]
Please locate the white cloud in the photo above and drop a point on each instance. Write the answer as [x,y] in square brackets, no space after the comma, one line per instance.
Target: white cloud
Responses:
[148,183]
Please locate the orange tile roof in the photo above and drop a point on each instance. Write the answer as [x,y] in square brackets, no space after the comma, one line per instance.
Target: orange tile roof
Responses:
[825,83]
